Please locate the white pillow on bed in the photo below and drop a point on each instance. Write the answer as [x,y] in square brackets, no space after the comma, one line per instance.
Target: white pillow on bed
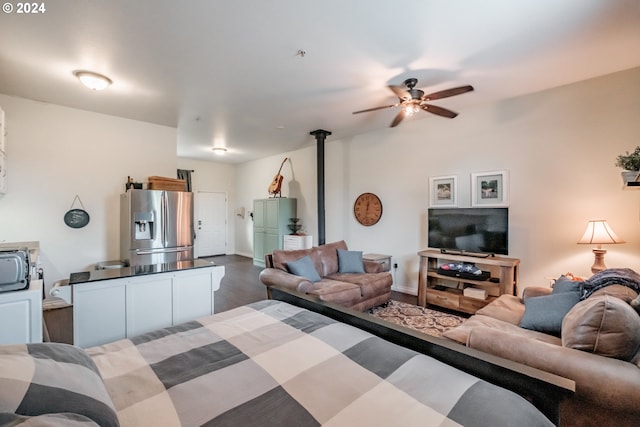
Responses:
[53,378]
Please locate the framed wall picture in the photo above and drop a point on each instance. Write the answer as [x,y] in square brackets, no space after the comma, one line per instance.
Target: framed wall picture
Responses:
[443,191]
[490,188]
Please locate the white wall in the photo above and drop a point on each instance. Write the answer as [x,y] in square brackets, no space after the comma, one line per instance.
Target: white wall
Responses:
[55,153]
[559,147]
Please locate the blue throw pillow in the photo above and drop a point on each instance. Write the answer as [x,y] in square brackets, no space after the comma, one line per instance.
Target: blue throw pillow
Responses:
[350,261]
[304,267]
[564,284]
[545,313]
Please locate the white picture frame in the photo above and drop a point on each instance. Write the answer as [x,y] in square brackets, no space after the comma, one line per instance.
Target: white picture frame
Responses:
[490,189]
[443,191]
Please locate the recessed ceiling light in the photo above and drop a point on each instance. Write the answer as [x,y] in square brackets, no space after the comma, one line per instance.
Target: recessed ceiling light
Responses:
[219,150]
[93,80]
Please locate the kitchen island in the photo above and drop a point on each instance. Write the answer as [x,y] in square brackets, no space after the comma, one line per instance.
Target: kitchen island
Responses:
[117,303]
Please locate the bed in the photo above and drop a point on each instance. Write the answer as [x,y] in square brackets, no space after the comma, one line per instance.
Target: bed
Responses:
[271,363]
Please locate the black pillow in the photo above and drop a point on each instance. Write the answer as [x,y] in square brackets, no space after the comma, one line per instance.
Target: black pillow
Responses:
[545,313]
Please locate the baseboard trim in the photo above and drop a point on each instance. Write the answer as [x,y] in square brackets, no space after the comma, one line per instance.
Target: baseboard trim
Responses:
[405,290]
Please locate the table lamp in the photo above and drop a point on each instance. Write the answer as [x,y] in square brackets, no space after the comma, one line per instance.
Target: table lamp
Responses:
[598,232]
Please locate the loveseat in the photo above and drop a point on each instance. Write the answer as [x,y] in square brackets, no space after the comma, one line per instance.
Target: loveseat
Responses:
[331,273]
[591,337]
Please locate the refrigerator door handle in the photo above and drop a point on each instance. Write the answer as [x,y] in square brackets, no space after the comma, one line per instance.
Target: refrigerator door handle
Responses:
[161,251]
[163,203]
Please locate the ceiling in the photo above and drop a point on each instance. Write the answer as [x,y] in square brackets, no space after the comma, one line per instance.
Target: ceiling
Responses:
[230,73]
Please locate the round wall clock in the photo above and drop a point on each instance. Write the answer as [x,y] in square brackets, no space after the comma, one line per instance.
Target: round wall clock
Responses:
[367,209]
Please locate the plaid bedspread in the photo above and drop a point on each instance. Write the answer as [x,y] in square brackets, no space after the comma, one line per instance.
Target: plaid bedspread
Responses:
[274,364]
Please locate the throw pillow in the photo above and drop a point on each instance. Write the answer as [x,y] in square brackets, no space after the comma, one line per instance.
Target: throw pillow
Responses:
[603,325]
[52,378]
[304,267]
[566,284]
[545,313]
[350,261]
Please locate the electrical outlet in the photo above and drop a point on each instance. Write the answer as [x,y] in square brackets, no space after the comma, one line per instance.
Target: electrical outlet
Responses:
[395,265]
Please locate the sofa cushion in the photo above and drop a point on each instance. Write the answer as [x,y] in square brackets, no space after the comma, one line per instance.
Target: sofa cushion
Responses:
[343,293]
[281,258]
[603,325]
[350,261]
[619,291]
[53,378]
[545,313]
[508,308]
[328,256]
[304,267]
[461,333]
[370,284]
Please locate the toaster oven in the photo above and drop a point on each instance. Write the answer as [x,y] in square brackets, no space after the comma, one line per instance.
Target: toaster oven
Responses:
[14,269]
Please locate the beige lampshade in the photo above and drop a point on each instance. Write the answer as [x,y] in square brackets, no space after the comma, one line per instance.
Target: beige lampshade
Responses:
[599,232]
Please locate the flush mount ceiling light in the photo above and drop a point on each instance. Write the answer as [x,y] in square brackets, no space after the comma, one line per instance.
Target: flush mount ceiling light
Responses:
[92,80]
[219,150]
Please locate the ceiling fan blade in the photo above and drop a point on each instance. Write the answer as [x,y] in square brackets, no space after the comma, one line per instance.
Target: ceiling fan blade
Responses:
[439,111]
[375,108]
[400,92]
[447,93]
[399,117]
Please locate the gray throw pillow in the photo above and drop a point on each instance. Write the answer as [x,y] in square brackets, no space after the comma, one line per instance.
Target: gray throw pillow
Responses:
[304,267]
[350,261]
[545,313]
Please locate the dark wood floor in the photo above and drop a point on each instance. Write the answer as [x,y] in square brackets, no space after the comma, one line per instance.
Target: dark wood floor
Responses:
[240,284]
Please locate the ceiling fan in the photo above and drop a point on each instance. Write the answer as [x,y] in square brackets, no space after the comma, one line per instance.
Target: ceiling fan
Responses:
[413,100]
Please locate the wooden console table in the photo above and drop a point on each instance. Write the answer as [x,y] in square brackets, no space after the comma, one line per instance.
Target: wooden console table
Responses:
[448,291]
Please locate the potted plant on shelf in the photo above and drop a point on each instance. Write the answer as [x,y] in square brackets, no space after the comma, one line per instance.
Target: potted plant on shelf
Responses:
[630,162]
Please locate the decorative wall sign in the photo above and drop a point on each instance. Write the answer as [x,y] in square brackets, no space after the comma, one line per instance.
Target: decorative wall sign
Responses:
[443,191]
[490,189]
[76,218]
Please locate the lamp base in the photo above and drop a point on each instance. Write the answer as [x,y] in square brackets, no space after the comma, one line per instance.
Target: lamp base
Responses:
[598,263]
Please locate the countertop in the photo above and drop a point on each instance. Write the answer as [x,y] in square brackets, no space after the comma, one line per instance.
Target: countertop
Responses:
[138,270]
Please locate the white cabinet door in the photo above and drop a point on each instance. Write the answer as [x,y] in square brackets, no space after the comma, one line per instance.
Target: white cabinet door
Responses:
[21,315]
[99,312]
[192,295]
[148,304]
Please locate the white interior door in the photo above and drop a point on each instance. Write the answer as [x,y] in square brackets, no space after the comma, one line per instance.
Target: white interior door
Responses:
[211,224]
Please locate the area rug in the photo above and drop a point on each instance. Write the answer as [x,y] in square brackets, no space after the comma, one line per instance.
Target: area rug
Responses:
[421,319]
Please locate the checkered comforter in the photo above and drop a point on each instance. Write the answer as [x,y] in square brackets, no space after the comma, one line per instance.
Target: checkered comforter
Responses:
[274,364]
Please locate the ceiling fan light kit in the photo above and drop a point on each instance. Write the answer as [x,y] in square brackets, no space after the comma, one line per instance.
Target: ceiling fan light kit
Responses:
[413,100]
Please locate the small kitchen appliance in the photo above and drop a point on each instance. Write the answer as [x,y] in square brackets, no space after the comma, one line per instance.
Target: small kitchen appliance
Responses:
[14,269]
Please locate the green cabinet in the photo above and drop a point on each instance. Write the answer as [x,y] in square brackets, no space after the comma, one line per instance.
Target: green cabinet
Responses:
[270,220]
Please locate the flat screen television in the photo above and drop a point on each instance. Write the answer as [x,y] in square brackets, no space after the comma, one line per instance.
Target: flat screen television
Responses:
[469,230]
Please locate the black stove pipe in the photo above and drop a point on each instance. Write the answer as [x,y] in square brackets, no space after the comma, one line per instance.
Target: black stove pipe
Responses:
[320,137]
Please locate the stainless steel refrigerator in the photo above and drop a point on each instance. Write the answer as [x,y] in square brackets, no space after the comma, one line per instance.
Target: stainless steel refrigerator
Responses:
[156,226]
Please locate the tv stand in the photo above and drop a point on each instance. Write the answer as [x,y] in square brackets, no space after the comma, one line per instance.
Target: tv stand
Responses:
[449,291]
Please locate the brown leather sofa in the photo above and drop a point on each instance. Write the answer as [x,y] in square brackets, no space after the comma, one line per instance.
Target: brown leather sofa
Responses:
[359,291]
[598,348]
